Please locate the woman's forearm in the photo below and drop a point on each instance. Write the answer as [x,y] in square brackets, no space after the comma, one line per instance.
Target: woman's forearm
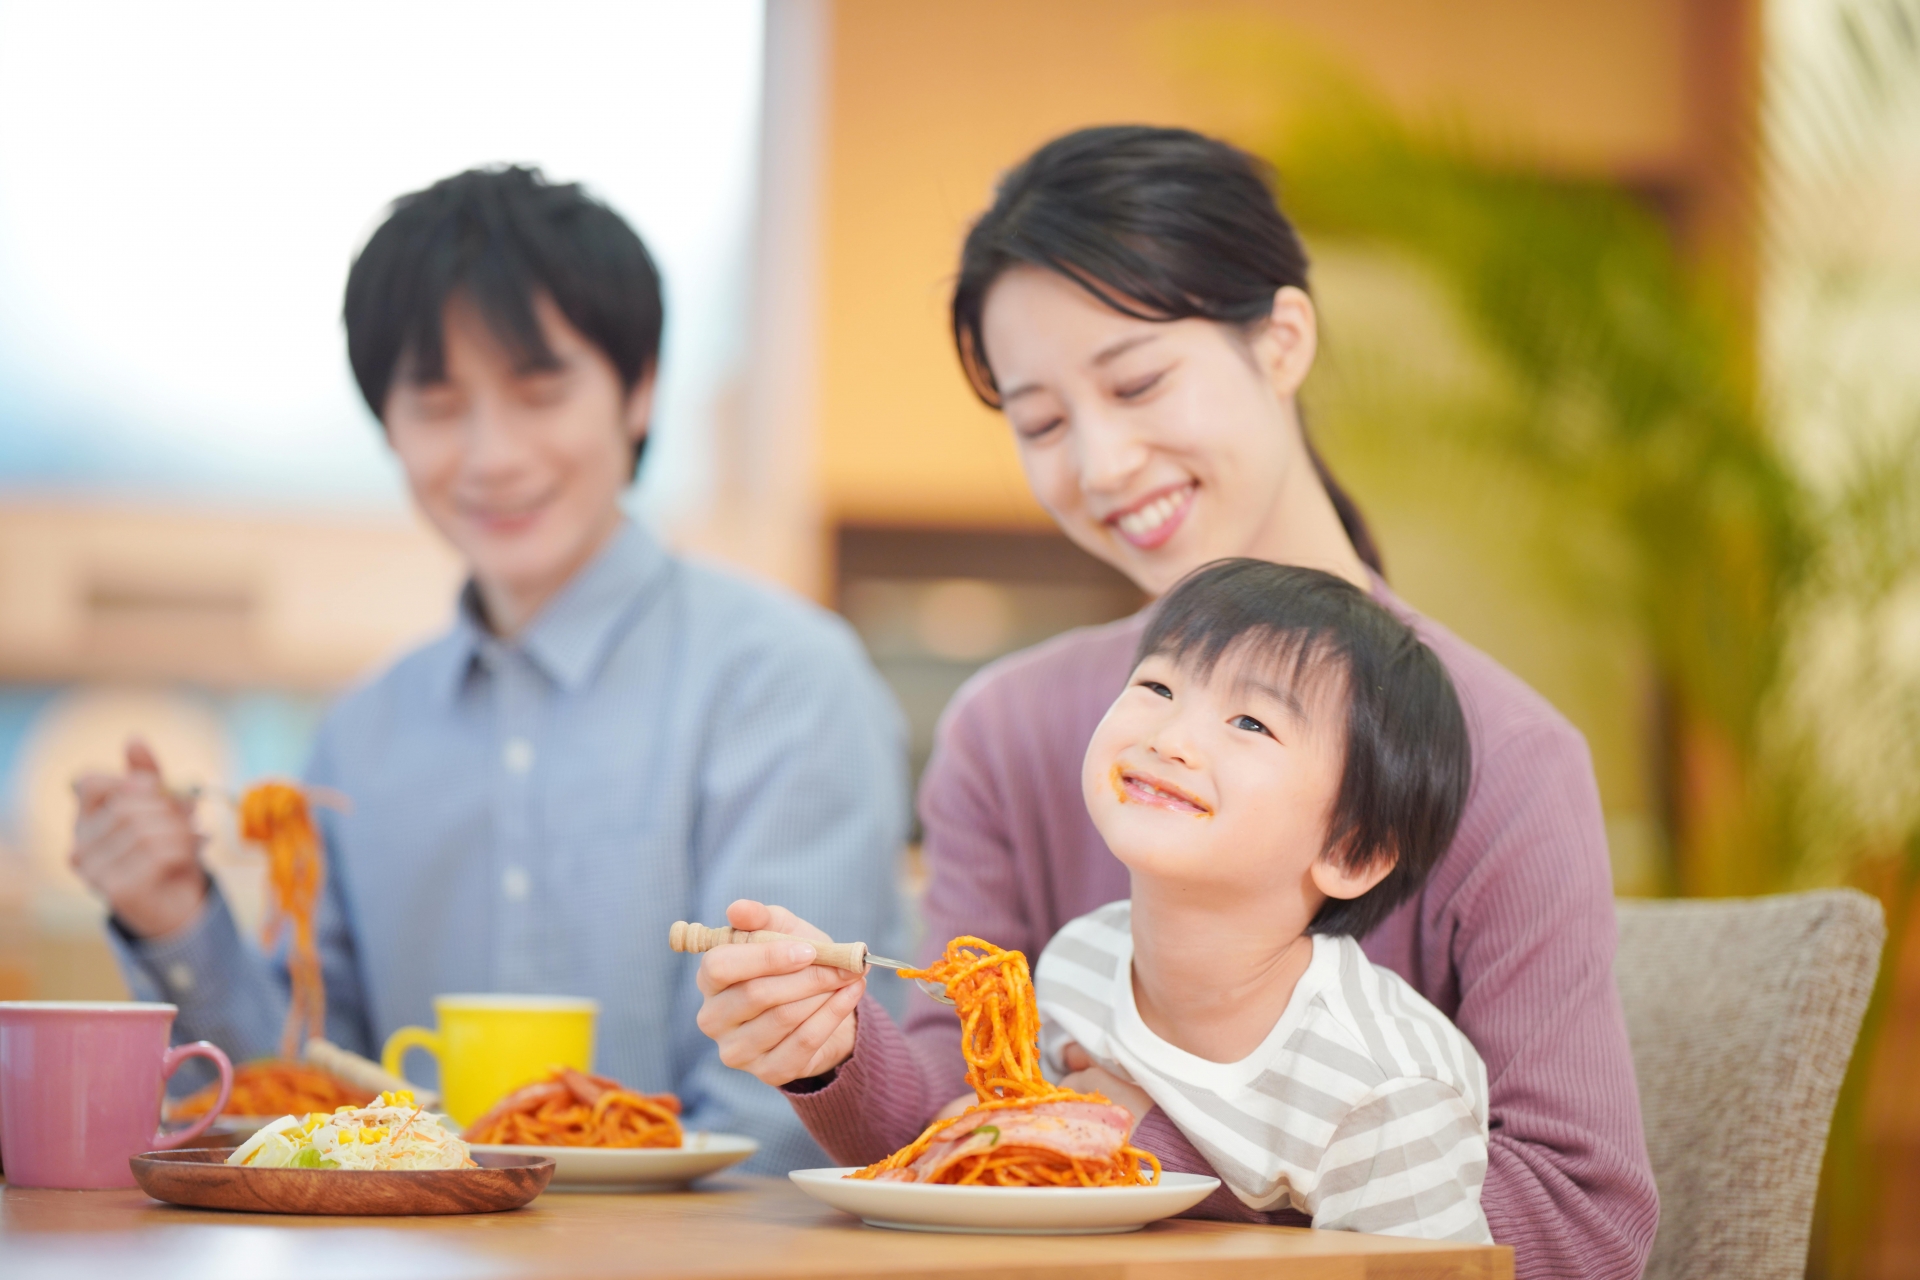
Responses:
[875,1102]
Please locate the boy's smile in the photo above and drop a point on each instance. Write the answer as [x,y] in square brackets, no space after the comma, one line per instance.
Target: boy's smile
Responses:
[1134,787]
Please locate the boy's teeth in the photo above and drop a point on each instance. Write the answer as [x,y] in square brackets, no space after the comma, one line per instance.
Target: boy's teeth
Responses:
[1162,792]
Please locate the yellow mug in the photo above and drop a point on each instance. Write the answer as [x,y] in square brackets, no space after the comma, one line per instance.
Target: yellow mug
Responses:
[488,1046]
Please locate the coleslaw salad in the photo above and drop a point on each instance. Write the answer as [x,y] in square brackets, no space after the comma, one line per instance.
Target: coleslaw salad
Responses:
[392,1132]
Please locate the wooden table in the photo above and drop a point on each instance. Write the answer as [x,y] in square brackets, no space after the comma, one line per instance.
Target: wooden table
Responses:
[730,1229]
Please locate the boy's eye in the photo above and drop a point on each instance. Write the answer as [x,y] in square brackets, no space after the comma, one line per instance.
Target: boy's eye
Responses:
[1158,688]
[1250,725]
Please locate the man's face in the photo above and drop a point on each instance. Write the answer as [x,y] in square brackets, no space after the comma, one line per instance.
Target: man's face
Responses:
[520,468]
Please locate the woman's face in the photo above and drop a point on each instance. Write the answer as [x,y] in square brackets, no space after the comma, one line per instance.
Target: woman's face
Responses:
[1156,445]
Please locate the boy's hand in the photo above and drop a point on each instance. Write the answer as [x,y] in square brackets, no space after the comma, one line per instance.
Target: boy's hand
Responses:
[1089,1078]
[955,1107]
[774,1013]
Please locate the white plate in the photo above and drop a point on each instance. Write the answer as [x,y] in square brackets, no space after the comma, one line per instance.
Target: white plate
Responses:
[1014,1211]
[637,1168]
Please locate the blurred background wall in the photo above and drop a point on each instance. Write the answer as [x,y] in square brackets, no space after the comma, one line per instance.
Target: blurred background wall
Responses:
[201,538]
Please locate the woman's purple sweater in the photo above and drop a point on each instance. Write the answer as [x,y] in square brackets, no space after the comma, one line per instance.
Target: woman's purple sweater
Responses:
[1512,937]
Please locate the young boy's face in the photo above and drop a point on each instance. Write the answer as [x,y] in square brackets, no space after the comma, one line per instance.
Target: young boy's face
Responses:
[1225,782]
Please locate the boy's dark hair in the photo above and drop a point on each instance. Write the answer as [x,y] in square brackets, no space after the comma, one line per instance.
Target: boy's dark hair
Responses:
[500,236]
[1408,761]
[1159,224]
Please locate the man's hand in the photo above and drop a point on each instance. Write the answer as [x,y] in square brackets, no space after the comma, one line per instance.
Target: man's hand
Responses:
[773,1012]
[1086,1077]
[135,846]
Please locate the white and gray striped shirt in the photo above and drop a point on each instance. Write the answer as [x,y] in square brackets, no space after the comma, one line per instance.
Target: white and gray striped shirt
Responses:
[1364,1108]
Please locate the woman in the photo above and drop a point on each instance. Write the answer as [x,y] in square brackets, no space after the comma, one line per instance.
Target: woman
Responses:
[1136,305]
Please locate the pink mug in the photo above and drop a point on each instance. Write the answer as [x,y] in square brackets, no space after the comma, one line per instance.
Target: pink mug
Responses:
[80,1089]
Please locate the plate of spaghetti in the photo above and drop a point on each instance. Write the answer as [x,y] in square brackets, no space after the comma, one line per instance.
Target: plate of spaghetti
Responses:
[1005,1211]
[602,1136]
[269,1088]
[1028,1156]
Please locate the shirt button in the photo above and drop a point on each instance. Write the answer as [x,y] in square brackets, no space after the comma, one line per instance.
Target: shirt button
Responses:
[515,884]
[518,755]
[179,977]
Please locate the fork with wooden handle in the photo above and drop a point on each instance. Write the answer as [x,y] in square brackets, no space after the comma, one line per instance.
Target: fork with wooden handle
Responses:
[851,956]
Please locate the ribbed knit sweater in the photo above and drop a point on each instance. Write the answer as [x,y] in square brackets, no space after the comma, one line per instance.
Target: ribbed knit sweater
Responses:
[1512,937]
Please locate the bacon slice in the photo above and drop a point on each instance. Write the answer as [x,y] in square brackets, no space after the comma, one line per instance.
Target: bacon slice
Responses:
[1089,1131]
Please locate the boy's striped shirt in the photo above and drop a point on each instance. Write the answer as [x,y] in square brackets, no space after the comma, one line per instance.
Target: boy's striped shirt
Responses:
[1364,1108]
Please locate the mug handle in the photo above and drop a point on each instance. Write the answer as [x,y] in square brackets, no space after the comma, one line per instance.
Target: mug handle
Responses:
[164,1141]
[395,1052]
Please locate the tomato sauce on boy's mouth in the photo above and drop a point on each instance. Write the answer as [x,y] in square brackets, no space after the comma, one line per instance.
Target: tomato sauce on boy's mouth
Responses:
[1132,788]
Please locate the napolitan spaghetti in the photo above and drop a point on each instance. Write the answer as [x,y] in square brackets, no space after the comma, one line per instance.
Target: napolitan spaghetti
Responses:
[1023,1131]
[573,1109]
[275,1088]
[275,816]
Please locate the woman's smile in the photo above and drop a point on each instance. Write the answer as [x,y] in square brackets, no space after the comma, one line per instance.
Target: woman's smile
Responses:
[1150,521]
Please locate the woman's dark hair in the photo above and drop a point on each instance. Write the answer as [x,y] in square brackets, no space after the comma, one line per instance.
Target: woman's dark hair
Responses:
[1408,760]
[501,237]
[1159,224]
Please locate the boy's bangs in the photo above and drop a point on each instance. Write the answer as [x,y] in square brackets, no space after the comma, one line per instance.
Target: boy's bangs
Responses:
[1282,630]
[1300,666]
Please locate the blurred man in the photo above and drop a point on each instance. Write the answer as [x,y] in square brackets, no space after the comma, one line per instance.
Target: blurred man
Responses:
[607,739]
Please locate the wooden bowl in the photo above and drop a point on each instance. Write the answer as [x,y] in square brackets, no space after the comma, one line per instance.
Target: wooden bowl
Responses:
[201,1178]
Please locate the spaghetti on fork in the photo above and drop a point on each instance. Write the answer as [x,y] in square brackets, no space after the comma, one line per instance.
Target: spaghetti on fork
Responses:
[275,816]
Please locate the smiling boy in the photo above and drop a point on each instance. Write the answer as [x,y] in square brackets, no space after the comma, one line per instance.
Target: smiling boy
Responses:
[1286,764]
[607,738]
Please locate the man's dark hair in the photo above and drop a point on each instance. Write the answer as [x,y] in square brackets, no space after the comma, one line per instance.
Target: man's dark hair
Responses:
[500,237]
[1159,224]
[1408,760]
